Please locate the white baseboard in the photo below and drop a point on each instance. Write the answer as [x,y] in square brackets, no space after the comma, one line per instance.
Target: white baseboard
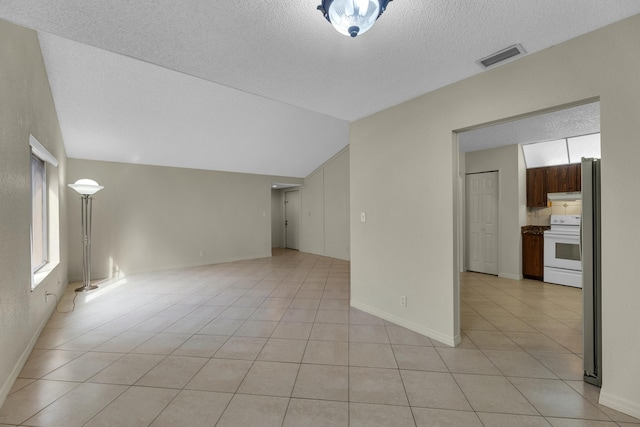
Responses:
[8,384]
[430,333]
[510,276]
[619,404]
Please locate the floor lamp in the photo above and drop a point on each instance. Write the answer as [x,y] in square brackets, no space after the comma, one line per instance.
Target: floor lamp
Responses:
[86,188]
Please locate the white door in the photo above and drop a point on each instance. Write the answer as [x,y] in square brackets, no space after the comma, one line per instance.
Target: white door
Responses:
[482,222]
[292,219]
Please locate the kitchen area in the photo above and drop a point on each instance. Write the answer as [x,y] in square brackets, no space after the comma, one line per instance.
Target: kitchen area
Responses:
[551,247]
[545,189]
[554,209]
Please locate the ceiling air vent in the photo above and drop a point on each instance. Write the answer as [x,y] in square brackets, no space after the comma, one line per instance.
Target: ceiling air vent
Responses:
[499,57]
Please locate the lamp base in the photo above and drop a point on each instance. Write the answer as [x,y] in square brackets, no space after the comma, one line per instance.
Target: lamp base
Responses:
[86,288]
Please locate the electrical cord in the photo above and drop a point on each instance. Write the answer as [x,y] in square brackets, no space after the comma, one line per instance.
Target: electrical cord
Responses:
[73,307]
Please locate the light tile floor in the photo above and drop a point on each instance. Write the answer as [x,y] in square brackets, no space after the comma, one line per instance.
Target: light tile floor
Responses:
[273,342]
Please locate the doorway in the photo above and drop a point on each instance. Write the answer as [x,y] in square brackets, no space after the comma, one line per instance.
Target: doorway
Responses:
[498,147]
[482,222]
[538,305]
[292,220]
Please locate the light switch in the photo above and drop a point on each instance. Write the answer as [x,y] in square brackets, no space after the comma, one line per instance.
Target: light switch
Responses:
[363,217]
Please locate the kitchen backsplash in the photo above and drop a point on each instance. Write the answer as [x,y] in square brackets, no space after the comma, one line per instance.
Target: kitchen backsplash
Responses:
[542,216]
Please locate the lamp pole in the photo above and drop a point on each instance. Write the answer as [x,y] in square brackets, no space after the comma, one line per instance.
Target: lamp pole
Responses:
[86,208]
[86,188]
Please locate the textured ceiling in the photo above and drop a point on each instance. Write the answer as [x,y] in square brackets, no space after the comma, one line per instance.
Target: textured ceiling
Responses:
[574,121]
[276,72]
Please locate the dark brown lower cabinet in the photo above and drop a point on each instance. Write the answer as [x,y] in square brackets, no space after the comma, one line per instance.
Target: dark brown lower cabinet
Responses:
[533,255]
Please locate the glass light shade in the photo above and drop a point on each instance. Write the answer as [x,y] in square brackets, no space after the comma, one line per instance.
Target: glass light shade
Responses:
[353,17]
[86,186]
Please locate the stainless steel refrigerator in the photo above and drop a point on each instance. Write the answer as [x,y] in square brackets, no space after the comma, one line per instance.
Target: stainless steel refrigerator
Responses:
[591,272]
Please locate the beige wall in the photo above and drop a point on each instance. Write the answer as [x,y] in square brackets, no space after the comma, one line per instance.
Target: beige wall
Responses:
[150,218]
[324,212]
[507,161]
[336,207]
[407,153]
[312,213]
[26,107]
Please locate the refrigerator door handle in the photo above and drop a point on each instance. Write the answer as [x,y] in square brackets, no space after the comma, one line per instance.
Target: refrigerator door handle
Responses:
[590,244]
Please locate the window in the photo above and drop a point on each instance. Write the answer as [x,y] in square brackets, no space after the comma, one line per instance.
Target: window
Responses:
[39,249]
[45,240]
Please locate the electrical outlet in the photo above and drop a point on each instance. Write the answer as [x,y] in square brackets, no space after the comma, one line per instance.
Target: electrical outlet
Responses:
[403,301]
[201,253]
[363,217]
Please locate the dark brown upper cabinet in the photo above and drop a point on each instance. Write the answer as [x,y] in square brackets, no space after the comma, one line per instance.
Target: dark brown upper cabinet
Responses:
[537,187]
[575,177]
[552,179]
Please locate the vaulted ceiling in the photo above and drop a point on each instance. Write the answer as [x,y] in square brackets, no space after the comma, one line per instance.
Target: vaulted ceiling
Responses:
[264,86]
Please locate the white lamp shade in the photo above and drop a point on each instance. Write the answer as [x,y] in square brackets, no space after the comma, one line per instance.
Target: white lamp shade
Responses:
[86,186]
[353,17]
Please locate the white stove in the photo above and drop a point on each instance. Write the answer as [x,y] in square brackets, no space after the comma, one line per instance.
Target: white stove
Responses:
[565,224]
[562,260]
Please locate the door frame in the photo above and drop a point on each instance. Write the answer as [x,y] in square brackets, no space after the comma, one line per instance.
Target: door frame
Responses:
[459,205]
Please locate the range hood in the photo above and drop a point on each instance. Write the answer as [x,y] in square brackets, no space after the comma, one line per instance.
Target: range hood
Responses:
[575,195]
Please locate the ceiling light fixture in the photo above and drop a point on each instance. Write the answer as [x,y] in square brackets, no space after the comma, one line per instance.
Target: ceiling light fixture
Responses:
[352,17]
